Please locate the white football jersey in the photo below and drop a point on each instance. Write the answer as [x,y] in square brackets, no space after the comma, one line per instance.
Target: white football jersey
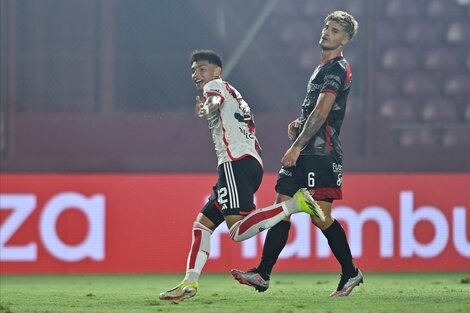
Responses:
[232,125]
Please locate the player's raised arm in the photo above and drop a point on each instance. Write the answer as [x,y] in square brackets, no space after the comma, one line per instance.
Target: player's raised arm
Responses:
[211,104]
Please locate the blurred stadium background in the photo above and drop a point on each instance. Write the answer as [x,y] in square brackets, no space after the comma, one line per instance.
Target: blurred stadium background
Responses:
[103,87]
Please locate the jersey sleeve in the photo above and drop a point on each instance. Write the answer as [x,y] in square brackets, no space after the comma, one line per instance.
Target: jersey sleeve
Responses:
[334,78]
[212,88]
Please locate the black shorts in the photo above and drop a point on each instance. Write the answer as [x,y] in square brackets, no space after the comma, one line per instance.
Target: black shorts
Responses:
[322,175]
[233,194]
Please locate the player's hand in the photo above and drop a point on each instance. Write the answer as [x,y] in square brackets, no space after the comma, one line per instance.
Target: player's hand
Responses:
[290,157]
[201,109]
[292,129]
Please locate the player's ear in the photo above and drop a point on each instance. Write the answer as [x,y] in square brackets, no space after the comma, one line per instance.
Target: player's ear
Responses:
[217,71]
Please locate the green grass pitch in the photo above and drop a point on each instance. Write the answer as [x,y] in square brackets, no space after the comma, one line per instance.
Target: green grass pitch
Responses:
[289,292]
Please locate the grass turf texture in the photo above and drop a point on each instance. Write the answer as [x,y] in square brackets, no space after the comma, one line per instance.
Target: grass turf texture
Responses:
[289,292]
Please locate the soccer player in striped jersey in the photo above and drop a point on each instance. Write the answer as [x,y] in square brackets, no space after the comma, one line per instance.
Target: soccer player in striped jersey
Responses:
[240,170]
[314,160]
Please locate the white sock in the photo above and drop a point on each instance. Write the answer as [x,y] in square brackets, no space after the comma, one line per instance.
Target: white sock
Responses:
[262,219]
[200,249]
[291,206]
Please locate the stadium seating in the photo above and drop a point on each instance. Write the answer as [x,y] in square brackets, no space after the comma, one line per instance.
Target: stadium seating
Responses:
[389,33]
[443,10]
[440,58]
[457,84]
[398,109]
[402,9]
[419,32]
[386,84]
[417,137]
[410,63]
[466,112]
[439,109]
[467,60]
[456,137]
[355,7]
[420,84]
[399,58]
[318,9]
[458,33]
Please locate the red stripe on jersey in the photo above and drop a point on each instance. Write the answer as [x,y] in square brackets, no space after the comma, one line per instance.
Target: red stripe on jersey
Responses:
[348,75]
[195,247]
[228,149]
[228,87]
[230,153]
[327,193]
[328,137]
[212,93]
[240,157]
[226,144]
[255,219]
[329,91]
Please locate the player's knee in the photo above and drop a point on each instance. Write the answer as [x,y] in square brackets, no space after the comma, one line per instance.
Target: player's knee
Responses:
[234,229]
[236,238]
[206,222]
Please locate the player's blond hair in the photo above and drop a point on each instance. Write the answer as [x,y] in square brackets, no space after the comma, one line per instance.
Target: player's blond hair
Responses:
[349,23]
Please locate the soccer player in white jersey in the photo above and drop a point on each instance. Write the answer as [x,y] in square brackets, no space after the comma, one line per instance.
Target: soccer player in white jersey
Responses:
[240,170]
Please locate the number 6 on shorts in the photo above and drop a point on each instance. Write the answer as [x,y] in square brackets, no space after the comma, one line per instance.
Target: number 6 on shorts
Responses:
[311,179]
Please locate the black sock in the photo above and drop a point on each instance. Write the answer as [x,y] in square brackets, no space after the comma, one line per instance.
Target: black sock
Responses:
[340,247]
[276,240]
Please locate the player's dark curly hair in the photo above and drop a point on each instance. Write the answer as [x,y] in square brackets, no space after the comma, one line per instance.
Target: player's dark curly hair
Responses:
[346,20]
[205,55]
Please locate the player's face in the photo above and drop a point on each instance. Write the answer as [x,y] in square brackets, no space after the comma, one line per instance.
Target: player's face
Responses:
[333,36]
[203,72]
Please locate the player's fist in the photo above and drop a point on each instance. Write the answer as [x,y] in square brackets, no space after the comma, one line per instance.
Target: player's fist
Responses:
[292,129]
[201,109]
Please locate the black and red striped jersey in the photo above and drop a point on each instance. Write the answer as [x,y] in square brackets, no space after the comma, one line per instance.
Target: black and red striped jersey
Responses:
[334,77]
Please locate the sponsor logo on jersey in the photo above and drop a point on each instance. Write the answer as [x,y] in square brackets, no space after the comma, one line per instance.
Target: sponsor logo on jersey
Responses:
[246,133]
[285,172]
[337,168]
